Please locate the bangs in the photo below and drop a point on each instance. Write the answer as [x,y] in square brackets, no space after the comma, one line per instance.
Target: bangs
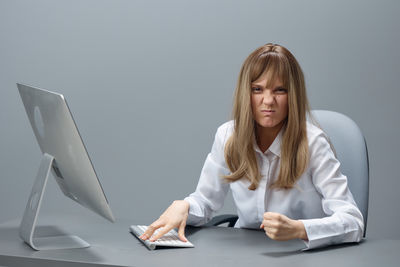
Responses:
[273,65]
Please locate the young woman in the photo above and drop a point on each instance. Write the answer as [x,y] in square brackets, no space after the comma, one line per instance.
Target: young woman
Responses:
[281,169]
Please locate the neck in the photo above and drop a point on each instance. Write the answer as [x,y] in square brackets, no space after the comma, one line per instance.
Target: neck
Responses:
[266,136]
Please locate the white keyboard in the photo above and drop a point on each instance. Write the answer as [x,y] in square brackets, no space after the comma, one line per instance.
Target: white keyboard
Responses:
[170,239]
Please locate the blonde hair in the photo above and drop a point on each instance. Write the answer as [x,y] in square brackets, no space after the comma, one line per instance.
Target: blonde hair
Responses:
[275,61]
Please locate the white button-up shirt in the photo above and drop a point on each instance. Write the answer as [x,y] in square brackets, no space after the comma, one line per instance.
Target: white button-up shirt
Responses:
[321,198]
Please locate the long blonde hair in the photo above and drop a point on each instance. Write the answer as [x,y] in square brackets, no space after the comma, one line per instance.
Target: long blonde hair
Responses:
[276,62]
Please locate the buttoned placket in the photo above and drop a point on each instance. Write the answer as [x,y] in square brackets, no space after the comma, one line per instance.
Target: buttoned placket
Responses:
[265,172]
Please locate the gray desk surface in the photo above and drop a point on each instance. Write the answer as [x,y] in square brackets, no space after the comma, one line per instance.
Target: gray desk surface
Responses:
[113,245]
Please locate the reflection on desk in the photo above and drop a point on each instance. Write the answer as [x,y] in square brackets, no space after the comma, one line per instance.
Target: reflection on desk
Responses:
[113,245]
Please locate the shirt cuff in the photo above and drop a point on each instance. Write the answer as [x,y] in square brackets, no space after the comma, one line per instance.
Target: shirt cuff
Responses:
[317,235]
[195,216]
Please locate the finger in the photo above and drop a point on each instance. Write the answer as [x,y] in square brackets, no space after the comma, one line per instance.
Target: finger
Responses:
[283,218]
[160,233]
[181,232]
[266,230]
[268,223]
[271,235]
[262,226]
[150,230]
[268,216]
[272,224]
[271,215]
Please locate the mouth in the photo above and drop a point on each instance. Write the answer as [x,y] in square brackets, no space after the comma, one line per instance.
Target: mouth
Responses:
[267,112]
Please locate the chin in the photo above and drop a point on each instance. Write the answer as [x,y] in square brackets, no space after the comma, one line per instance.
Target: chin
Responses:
[268,125]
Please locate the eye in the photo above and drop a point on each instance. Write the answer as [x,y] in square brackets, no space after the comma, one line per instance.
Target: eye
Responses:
[280,90]
[256,89]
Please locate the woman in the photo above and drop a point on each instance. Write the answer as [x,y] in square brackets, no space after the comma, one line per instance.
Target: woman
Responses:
[281,169]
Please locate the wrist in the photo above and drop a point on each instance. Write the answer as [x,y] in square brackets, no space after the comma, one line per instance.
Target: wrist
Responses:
[184,203]
[301,231]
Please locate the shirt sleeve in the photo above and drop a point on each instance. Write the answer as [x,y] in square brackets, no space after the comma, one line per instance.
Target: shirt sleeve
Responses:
[344,221]
[211,189]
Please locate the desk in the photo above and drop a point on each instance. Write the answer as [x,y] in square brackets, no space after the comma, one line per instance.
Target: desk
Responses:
[113,245]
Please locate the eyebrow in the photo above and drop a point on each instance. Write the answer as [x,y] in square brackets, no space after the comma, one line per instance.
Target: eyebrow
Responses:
[260,85]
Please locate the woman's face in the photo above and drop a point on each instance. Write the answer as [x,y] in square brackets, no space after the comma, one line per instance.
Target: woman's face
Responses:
[269,105]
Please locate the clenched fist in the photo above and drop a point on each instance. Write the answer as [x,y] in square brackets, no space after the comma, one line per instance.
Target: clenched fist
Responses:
[280,227]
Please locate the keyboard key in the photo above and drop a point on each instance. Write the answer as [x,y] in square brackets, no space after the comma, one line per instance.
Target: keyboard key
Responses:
[170,239]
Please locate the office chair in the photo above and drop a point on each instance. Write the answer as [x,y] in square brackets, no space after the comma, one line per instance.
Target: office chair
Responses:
[351,150]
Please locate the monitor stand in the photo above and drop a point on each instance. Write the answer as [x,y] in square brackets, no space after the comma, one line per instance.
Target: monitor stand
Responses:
[28,223]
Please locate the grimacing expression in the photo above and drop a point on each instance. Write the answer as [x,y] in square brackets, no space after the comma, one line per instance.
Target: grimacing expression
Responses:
[269,105]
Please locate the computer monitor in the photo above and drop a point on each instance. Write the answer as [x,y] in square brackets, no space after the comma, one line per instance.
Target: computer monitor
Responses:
[66,156]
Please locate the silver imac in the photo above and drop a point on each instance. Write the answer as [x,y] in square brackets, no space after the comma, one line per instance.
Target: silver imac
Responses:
[65,155]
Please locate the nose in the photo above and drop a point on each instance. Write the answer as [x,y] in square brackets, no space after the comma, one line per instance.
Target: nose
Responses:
[268,98]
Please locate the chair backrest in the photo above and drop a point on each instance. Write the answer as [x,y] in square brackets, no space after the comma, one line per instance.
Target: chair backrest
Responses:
[351,151]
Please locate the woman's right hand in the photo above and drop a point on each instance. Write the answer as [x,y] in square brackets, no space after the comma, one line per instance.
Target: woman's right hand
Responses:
[175,216]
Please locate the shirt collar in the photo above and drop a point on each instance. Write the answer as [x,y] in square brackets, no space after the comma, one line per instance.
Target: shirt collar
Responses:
[275,147]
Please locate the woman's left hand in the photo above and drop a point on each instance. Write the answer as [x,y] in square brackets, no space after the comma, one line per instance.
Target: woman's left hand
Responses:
[279,227]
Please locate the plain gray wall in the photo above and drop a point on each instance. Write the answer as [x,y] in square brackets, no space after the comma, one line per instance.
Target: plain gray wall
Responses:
[149,82]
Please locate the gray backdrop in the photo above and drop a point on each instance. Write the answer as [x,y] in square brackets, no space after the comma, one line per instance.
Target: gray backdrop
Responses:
[149,82]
